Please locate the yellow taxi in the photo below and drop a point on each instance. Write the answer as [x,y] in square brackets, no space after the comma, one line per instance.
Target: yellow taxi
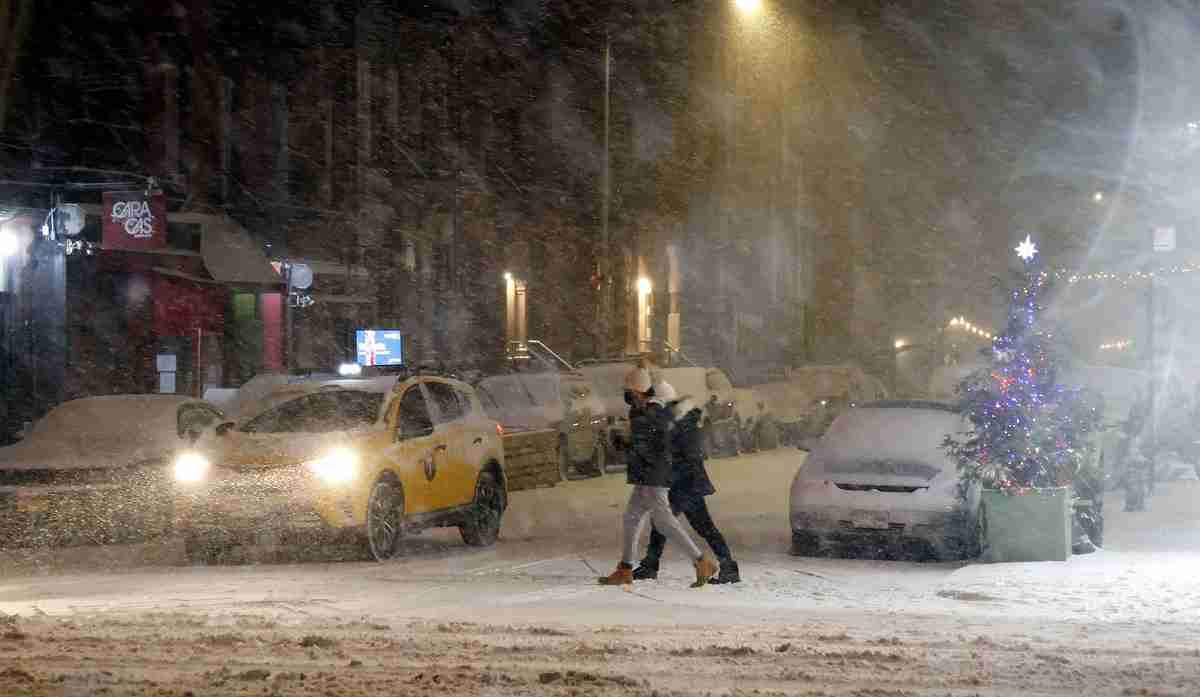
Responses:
[376,460]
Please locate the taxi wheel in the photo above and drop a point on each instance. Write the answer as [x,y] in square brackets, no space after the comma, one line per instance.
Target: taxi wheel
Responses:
[482,524]
[385,519]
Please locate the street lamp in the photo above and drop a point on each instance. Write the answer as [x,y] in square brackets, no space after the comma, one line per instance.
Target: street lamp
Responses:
[10,244]
[515,326]
[643,317]
[748,6]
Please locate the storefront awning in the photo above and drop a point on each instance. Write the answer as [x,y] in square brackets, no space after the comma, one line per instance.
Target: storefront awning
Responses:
[232,256]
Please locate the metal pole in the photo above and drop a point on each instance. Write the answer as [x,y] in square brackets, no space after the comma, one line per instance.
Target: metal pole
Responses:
[289,314]
[197,366]
[604,266]
[1152,464]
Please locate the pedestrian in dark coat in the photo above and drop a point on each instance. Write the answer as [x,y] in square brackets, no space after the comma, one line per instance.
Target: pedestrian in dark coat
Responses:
[690,485]
[648,462]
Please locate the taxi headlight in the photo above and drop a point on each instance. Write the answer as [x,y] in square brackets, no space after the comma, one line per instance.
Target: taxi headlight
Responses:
[337,467]
[191,467]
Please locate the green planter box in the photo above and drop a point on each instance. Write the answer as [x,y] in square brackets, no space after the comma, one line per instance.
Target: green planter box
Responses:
[1035,526]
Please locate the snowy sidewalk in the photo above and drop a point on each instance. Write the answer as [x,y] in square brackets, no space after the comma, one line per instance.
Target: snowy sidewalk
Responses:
[1105,586]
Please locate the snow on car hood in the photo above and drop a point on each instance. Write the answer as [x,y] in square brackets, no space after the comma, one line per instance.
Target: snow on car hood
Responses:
[885,446]
[267,450]
[99,433]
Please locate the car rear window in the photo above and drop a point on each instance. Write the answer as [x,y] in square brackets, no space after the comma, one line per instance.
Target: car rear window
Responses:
[544,389]
[446,398]
[320,413]
[507,393]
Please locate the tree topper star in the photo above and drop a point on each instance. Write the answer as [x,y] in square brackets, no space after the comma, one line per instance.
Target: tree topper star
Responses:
[1026,249]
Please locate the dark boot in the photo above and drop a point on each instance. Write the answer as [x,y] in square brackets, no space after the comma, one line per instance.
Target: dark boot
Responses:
[647,570]
[729,573]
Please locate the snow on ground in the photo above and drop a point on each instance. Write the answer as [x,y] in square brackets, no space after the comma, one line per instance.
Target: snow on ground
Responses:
[527,618]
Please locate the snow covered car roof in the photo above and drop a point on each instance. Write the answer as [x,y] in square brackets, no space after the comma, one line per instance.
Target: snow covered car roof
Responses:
[535,400]
[892,442]
[101,432]
[268,391]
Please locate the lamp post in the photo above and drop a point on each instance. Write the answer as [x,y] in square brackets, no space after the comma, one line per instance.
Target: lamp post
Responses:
[644,289]
[603,266]
[515,327]
[10,247]
[742,9]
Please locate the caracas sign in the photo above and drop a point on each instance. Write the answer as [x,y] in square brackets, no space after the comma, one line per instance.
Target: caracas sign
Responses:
[135,221]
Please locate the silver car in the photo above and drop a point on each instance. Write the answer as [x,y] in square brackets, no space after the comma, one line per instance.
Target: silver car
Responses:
[880,484]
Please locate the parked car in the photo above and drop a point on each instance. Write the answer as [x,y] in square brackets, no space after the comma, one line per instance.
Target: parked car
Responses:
[820,416]
[761,432]
[565,402]
[608,384]
[724,412]
[806,402]
[96,470]
[349,458]
[711,388]
[879,483]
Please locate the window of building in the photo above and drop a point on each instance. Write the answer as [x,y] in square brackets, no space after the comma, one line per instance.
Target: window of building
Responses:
[184,236]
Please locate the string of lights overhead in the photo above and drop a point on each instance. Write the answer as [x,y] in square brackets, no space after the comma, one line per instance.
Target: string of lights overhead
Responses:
[961,324]
[1127,278]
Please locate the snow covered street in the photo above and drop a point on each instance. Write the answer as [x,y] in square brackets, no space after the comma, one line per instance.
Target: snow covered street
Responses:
[1122,621]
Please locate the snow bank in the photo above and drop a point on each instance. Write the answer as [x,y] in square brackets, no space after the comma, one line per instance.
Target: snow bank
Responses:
[99,432]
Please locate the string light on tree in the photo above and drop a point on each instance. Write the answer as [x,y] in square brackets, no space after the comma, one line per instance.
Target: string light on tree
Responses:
[1029,429]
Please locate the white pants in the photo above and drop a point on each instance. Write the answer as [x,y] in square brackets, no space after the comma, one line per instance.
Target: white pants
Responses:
[652,500]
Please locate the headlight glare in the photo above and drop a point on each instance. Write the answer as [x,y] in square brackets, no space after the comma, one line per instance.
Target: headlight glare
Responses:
[191,467]
[338,467]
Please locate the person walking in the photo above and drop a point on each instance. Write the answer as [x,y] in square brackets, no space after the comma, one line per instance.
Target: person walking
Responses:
[648,469]
[690,485]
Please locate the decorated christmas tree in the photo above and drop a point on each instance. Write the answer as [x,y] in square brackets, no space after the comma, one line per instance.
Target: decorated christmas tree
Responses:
[1030,430]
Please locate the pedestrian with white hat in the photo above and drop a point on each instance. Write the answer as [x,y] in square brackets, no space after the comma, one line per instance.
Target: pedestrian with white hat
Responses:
[649,470]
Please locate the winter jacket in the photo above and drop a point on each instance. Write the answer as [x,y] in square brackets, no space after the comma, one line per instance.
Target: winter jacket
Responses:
[648,459]
[687,453]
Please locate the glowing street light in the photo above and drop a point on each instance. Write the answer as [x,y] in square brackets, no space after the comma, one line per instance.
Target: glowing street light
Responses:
[748,6]
[10,244]
[508,276]
[643,286]
[1098,197]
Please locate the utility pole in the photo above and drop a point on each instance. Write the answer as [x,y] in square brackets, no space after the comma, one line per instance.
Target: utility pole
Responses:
[1152,464]
[1163,240]
[288,313]
[604,266]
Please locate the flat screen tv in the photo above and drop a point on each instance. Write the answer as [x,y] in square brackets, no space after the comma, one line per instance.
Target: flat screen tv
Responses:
[380,347]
